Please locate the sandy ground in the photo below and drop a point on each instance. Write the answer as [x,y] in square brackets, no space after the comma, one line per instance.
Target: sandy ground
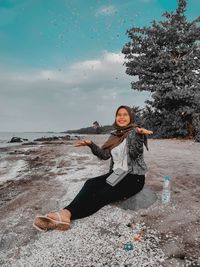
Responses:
[45,177]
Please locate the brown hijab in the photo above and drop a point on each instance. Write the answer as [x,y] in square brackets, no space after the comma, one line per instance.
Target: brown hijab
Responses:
[121,132]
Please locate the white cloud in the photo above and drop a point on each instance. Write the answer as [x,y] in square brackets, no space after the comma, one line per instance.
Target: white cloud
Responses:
[106,11]
[87,65]
[109,67]
[74,97]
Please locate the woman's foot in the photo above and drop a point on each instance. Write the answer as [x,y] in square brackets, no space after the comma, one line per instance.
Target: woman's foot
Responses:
[58,220]
[62,215]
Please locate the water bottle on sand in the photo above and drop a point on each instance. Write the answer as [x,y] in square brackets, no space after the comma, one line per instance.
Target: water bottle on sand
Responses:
[166,192]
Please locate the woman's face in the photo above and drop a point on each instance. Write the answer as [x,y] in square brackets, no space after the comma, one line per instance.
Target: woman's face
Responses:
[122,118]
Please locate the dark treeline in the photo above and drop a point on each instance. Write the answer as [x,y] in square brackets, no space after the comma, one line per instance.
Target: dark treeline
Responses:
[91,130]
[166,59]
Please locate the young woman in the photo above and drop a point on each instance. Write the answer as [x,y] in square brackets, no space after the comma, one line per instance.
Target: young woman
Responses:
[125,148]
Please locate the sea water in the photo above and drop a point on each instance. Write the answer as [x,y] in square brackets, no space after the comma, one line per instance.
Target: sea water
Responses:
[5,137]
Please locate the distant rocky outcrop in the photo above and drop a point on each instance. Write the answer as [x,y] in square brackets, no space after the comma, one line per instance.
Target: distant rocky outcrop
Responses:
[96,124]
[93,130]
[44,139]
[17,140]
[30,143]
[53,138]
[56,138]
[97,127]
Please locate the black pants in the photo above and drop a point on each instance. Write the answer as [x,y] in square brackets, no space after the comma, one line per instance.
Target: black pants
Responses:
[96,193]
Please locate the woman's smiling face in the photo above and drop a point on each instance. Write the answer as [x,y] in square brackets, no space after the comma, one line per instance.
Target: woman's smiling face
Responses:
[122,118]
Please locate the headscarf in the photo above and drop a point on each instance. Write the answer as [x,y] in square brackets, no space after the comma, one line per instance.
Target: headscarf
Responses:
[121,132]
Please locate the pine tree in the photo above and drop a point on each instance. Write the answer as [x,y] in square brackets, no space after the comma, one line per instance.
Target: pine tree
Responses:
[166,58]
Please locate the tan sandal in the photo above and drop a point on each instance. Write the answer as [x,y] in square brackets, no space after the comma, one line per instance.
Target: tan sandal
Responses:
[44,223]
[39,228]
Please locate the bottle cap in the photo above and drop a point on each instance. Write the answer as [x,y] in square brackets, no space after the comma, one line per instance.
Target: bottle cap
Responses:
[167,177]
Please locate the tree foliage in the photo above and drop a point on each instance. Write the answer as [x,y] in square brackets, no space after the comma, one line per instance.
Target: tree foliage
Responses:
[166,58]
[91,130]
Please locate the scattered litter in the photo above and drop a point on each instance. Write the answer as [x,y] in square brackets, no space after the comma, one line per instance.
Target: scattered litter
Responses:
[131,225]
[128,246]
[139,236]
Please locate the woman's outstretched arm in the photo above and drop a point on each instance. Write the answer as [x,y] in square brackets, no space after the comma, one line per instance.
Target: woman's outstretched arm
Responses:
[135,143]
[96,150]
[99,152]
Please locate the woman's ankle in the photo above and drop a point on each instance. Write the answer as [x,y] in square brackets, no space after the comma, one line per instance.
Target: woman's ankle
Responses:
[67,212]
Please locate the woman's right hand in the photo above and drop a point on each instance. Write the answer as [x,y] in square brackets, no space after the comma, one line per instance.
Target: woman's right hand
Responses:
[83,143]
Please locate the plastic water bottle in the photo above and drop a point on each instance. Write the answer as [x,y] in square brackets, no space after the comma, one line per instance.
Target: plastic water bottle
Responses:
[166,192]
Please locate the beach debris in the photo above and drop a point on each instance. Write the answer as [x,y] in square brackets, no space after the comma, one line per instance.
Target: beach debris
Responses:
[128,246]
[131,225]
[139,236]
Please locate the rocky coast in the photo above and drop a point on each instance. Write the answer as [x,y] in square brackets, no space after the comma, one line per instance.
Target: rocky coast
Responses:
[42,177]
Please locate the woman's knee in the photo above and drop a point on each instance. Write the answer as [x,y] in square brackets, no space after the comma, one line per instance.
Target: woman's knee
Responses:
[88,182]
[141,182]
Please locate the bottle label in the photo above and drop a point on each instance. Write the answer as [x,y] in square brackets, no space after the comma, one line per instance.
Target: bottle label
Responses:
[165,196]
[166,184]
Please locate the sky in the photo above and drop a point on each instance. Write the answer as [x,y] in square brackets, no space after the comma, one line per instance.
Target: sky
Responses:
[61,65]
